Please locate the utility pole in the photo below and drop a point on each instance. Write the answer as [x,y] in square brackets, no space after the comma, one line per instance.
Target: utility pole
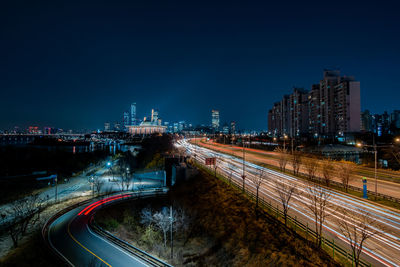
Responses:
[92,180]
[243,175]
[172,241]
[376,163]
[55,180]
[292,144]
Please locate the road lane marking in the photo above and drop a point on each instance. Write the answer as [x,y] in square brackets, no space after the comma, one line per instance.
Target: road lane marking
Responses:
[88,250]
[117,247]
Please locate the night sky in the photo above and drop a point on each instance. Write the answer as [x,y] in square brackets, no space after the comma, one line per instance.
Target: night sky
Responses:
[74,65]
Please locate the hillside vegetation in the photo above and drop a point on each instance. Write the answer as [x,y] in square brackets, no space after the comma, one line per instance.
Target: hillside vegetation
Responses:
[223,229]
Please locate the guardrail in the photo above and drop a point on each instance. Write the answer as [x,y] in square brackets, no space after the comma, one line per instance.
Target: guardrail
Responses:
[151,260]
[297,225]
[139,253]
[338,184]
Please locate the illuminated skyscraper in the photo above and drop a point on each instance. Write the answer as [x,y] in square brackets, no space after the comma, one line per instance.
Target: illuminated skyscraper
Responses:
[133,114]
[233,127]
[126,119]
[215,119]
[154,116]
[106,126]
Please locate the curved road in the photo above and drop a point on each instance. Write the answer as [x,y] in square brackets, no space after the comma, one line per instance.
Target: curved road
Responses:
[70,236]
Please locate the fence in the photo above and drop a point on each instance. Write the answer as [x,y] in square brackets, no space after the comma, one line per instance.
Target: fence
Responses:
[338,184]
[296,225]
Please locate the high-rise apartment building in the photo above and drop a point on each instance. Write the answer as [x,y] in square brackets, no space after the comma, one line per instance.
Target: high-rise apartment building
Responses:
[381,124]
[215,119]
[366,121]
[331,107]
[395,119]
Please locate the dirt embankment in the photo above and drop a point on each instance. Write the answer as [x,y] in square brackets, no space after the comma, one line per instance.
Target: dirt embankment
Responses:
[224,230]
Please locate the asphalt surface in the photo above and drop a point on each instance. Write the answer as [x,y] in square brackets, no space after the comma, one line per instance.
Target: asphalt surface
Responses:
[387,187]
[380,250]
[72,238]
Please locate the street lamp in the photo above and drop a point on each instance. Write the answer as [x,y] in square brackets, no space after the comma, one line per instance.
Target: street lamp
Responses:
[376,163]
[374,146]
[110,166]
[284,141]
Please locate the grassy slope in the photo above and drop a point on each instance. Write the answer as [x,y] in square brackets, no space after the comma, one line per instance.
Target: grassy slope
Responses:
[248,240]
[234,235]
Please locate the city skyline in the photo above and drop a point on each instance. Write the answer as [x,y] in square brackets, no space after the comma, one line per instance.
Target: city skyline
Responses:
[76,65]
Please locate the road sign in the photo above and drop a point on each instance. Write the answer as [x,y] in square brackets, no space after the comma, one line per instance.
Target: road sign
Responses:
[210,161]
[365,195]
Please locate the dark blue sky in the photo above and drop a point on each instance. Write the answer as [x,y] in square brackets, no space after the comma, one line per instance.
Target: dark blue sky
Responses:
[74,65]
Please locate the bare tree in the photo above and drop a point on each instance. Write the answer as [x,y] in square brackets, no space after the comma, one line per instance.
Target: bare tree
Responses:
[328,170]
[98,183]
[318,203]
[346,173]
[396,153]
[311,165]
[285,192]
[146,216]
[125,179]
[230,168]
[216,166]
[282,158]
[22,214]
[296,160]
[161,221]
[357,227]
[257,180]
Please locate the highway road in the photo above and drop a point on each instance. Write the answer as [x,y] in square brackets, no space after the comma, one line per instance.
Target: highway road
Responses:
[386,178]
[71,237]
[380,250]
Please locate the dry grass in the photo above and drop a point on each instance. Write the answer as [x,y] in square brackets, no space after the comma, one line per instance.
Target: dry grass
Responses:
[227,232]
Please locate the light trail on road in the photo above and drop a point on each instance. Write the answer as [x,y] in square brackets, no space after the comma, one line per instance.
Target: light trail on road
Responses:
[382,249]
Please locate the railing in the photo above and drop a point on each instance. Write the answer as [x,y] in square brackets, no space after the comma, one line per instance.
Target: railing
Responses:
[151,260]
[357,189]
[297,225]
[45,229]
[338,184]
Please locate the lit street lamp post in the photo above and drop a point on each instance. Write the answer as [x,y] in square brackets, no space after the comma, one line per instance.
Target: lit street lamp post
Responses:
[110,166]
[375,147]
